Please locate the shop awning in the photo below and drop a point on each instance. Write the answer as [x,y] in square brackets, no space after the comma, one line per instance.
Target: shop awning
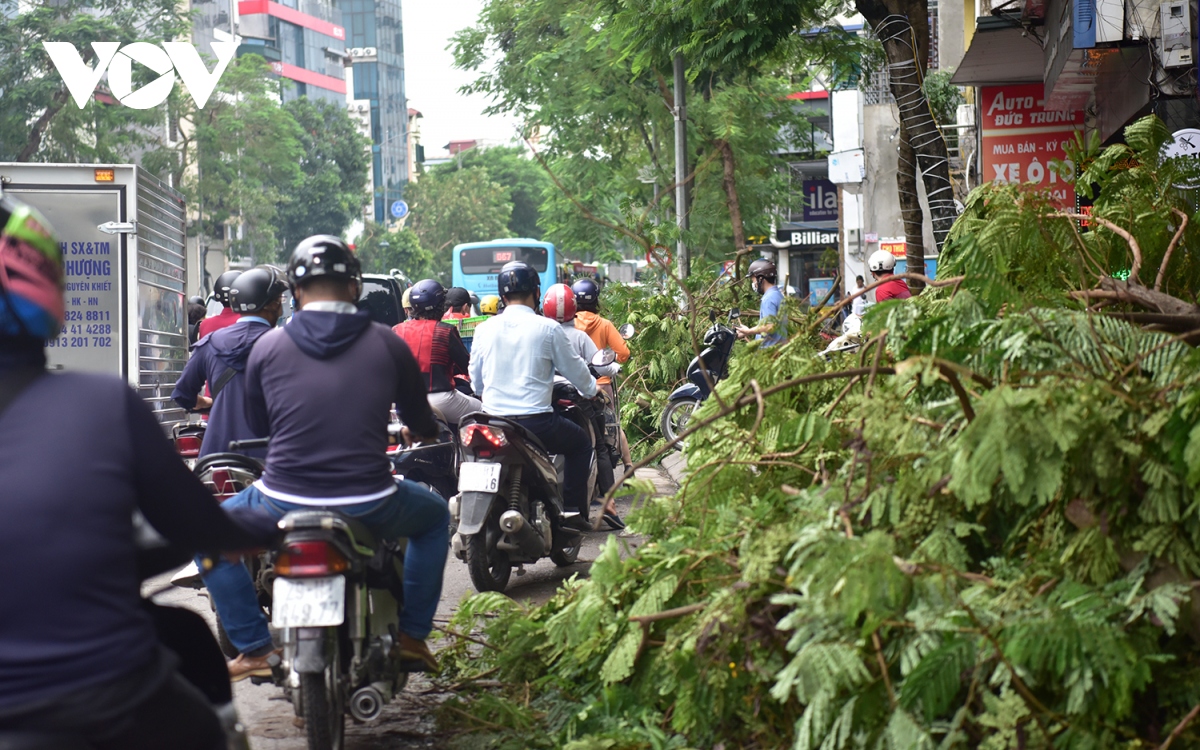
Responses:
[1001,53]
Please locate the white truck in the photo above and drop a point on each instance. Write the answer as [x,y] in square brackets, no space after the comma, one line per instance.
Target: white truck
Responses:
[124,244]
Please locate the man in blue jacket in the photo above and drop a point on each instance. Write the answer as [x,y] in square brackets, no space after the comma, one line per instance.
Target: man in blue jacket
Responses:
[220,359]
[322,387]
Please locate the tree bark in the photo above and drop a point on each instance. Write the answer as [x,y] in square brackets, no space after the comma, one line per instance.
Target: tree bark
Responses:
[729,182]
[910,210]
[903,28]
[39,126]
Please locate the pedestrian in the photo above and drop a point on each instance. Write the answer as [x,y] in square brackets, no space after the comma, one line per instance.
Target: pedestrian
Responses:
[859,305]
[762,276]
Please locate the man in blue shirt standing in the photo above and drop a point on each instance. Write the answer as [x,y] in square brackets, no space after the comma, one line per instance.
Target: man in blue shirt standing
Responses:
[513,361]
[762,276]
[220,359]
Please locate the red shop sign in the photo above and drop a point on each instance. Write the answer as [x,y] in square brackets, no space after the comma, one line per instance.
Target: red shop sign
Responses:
[1021,137]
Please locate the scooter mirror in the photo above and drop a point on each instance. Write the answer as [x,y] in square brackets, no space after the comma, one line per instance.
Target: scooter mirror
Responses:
[626,331]
[604,357]
[735,313]
[712,316]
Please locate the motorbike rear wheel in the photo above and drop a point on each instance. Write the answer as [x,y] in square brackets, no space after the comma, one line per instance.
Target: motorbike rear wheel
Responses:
[489,569]
[676,416]
[324,708]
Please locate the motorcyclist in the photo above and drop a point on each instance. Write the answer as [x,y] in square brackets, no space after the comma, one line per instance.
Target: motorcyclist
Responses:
[559,305]
[79,656]
[762,276]
[458,303]
[227,316]
[406,303]
[604,334]
[513,361]
[439,351]
[490,305]
[196,312]
[322,387]
[220,359]
[883,264]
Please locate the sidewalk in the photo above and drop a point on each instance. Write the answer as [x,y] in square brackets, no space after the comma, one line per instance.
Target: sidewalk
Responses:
[675,465]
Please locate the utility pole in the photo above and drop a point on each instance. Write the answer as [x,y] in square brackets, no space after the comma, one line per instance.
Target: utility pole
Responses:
[681,168]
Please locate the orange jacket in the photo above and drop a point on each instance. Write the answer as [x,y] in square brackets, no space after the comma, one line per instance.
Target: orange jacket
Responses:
[603,334]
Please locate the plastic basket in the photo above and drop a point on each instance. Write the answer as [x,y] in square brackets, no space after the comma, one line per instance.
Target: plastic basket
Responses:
[466,326]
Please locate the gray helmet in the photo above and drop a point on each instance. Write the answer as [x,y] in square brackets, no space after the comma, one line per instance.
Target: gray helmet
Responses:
[762,268]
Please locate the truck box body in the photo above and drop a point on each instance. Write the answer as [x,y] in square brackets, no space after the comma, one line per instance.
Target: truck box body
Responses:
[125,312]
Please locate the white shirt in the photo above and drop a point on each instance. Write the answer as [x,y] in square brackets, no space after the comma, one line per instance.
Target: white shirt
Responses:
[859,304]
[513,360]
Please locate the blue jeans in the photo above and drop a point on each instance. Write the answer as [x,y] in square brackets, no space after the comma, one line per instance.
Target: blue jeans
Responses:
[411,512]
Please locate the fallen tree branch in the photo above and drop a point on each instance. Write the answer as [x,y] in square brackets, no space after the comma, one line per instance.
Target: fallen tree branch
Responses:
[668,614]
[1178,730]
[738,404]
[1121,232]
[955,281]
[1162,267]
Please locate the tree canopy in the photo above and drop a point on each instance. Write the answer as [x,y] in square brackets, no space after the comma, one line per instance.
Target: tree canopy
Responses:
[509,167]
[381,250]
[464,205]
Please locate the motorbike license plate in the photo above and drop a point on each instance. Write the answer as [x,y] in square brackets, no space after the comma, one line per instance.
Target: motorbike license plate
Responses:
[478,477]
[308,602]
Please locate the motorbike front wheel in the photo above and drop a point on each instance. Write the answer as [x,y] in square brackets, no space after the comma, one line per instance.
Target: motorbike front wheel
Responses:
[324,708]
[676,416]
[489,569]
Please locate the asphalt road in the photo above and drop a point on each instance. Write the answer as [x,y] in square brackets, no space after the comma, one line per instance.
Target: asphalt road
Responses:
[407,722]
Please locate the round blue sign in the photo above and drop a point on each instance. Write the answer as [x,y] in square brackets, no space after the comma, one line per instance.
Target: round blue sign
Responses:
[399,210]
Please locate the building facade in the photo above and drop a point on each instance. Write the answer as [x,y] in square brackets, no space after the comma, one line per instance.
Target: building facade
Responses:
[375,38]
[304,40]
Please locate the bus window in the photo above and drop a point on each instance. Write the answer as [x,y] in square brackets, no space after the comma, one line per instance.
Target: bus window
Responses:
[489,260]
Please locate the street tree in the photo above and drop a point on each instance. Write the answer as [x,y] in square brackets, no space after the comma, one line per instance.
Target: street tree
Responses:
[524,178]
[248,151]
[334,167]
[381,250]
[461,206]
[39,121]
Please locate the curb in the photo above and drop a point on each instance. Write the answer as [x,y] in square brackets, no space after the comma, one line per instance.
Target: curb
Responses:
[675,465]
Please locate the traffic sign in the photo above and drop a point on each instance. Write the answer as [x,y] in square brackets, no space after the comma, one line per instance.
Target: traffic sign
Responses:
[399,210]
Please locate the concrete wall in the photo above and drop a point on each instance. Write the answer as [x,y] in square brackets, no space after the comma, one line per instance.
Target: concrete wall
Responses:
[952,37]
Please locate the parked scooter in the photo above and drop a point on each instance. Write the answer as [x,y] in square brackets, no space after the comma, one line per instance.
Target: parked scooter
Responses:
[849,341]
[713,362]
[510,508]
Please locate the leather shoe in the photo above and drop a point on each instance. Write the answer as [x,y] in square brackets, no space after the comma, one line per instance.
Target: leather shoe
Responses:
[250,666]
[415,655]
[578,522]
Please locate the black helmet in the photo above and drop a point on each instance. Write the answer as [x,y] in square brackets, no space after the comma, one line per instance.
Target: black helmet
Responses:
[456,296]
[428,296]
[195,300]
[587,295]
[762,267]
[323,255]
[222,285]
[257,288]
[518,278]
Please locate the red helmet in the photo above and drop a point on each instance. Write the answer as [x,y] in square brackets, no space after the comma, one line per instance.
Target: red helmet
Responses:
[559,303]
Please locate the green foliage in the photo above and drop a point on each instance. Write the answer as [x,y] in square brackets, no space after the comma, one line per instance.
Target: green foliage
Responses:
[381,251]
[331,190]
[987,541]
[464,205]
[525,179]
[39,120]
[944,97]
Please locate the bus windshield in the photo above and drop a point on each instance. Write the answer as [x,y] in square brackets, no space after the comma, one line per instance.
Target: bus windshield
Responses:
[489,260]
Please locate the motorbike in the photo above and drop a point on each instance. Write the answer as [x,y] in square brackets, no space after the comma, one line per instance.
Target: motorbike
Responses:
[703,373]
[612,411]
[849,341]
[509,510]
[188,437]
[434,465]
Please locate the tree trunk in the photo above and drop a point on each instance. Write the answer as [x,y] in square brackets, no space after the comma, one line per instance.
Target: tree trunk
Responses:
[39,126]
[910,210]
[903,28]
[731,197]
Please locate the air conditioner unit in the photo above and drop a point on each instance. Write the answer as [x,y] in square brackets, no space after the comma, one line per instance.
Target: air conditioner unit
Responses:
[1175,44]
[364,108]
[370,51]
[356,51]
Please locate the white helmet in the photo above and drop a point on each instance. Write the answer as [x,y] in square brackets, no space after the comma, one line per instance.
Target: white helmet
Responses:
[881,260]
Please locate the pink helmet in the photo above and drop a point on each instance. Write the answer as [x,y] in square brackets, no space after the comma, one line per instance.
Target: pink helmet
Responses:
[559,303]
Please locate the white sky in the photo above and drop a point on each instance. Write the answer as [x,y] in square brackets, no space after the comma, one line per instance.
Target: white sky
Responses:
[432,82]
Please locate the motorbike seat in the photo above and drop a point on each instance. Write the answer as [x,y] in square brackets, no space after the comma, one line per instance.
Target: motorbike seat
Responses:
[235,460]
[360,537]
